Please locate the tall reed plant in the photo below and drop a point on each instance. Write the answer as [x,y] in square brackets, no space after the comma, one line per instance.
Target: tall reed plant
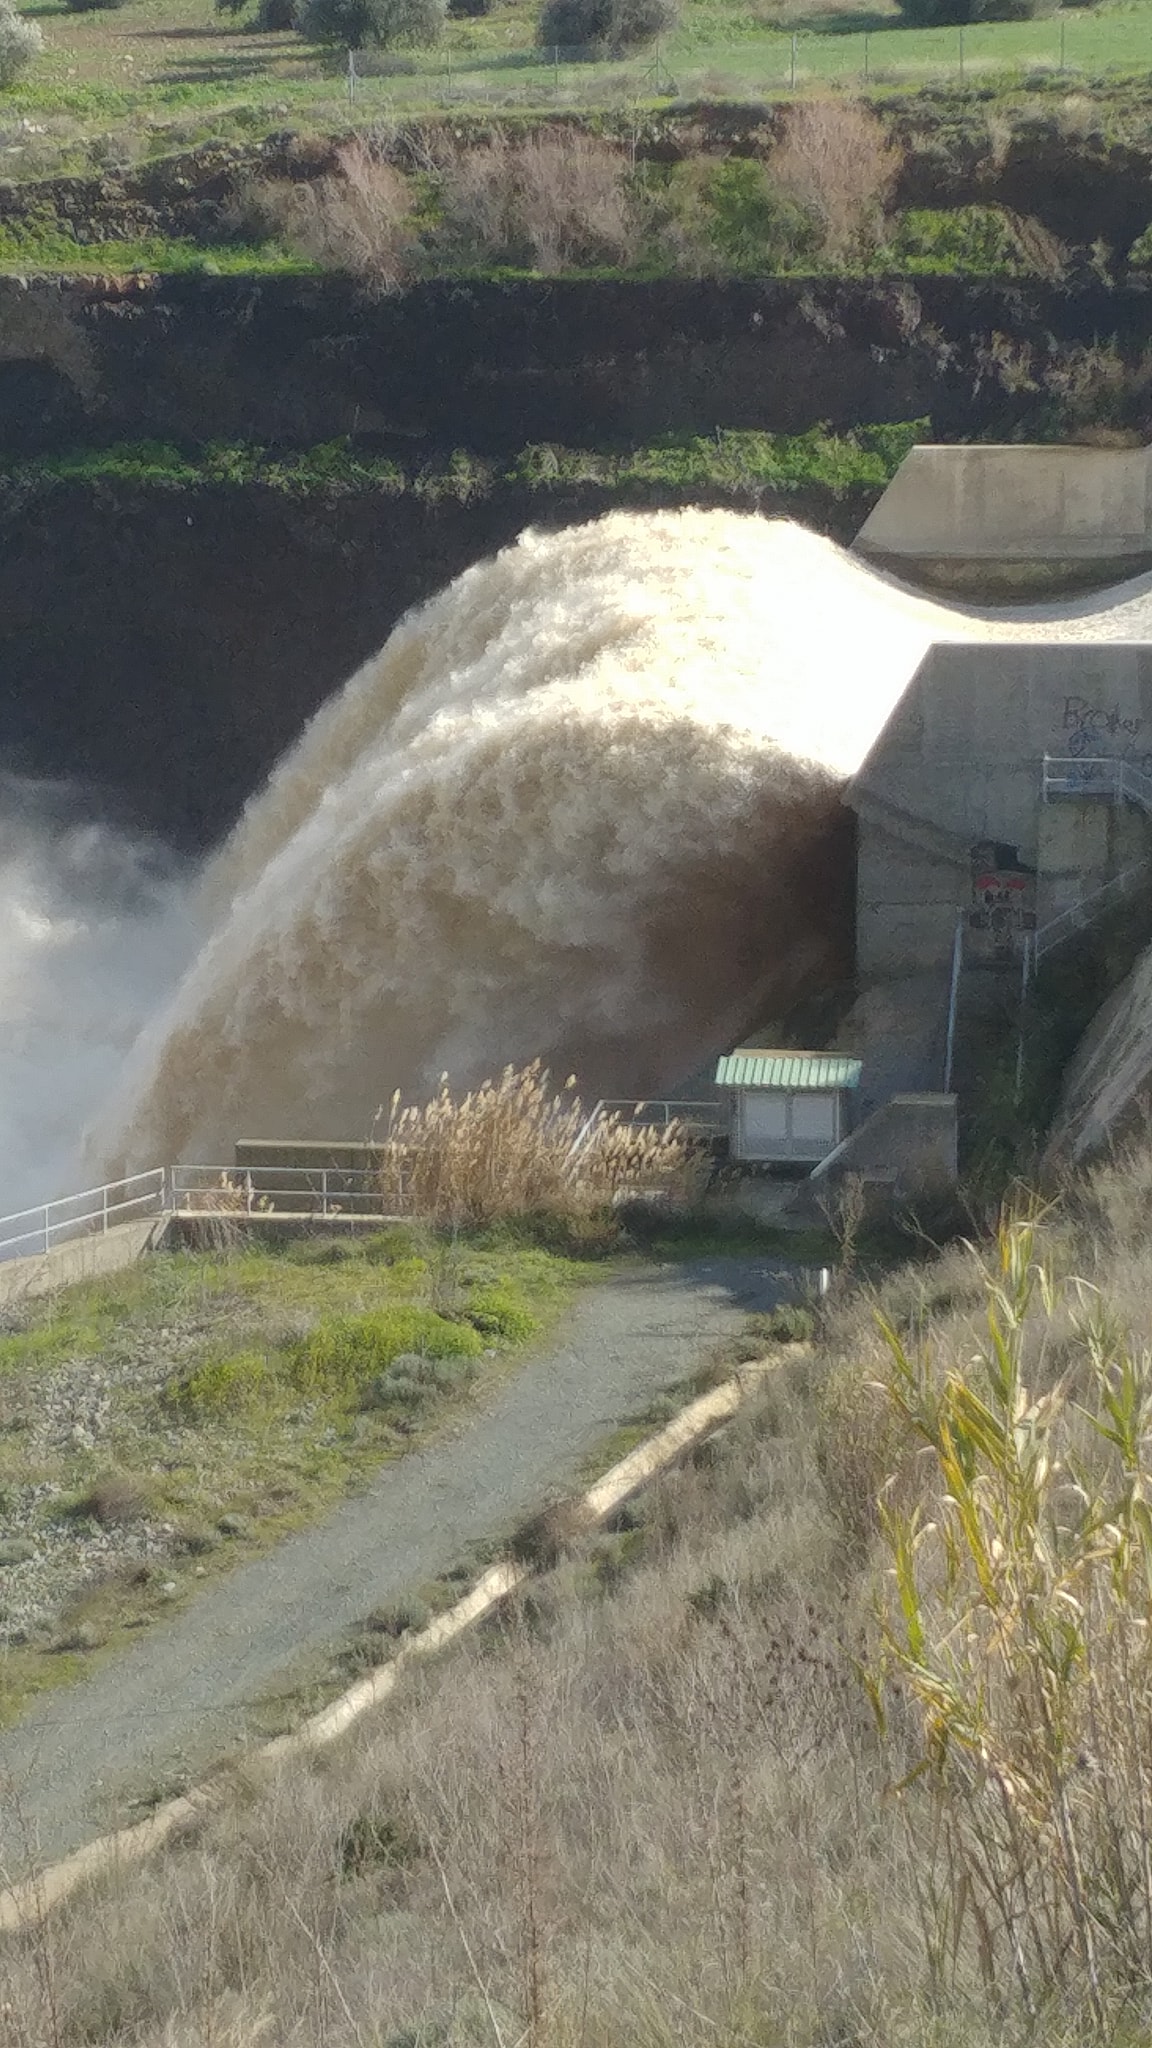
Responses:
[1017,1650]
[516,1145]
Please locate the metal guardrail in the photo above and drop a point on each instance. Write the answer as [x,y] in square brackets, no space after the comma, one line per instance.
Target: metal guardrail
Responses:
[705,1116]
[283,1191]
[1079,915]
[319,1191]
[1087,775]
[52,1223]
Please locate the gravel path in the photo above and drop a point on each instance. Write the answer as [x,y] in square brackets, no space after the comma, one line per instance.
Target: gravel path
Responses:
[176,1699]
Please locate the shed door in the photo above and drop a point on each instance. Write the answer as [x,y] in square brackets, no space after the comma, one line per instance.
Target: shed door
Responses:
[764,1115]
[814,1121]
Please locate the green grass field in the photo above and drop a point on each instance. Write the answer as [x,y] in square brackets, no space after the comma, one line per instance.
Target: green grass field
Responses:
[156,75]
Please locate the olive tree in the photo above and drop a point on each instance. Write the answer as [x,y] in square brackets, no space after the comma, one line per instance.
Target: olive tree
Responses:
[20,42]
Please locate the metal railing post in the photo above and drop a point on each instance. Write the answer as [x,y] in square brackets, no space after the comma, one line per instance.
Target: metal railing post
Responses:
[953,989]
[47,1238]
[104,1223]
[1025,978]
[324,1191]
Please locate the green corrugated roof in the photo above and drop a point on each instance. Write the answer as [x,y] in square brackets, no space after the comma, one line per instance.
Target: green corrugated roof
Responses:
[751,1067]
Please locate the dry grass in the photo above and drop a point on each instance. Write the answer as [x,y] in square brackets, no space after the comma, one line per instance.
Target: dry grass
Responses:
[358,219]
[550,202]
[512,1146]
[835,161]
[652,1803]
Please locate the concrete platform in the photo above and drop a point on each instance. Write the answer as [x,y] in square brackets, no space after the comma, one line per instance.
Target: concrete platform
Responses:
[1013,521]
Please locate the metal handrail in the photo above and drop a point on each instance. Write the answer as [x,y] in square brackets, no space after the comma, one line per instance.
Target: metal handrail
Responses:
[43,1231]
[323,1191]
[1087,908]
[254,1190]
[1096,775]
[670,1112]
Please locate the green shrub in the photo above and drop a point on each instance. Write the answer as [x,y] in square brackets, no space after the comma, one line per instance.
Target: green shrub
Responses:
[605,25]
[499,1312]
[113,1499]
[956,13]
[397,1241]
[729,216]
[344,1353]
[788,1324]
[325,1251]
[354,24]
[222,1386]
[396,1617]
[971,240]
[20,42]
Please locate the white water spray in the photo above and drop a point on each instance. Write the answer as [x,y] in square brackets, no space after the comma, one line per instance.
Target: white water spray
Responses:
[577,807]
[92,935]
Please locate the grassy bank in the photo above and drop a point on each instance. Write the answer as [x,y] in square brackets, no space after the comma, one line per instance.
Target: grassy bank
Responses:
[866,458]
[160,1425]
[653,1800]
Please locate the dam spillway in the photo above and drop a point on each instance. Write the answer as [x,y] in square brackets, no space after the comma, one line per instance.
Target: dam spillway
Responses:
[584,804]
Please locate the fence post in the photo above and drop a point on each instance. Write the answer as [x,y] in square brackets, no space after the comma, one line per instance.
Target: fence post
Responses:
[1063,30]
[792,76]
[351,78]
[324,1191]
[865,56]
[556,68]
[47,1239]
[961,53]
[104,1192]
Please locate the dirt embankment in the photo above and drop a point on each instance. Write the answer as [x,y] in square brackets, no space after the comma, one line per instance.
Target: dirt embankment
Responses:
[591,363]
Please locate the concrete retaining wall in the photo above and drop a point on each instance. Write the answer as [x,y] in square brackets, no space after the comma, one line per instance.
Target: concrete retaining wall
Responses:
[82,1258]
[1022,503]
[906,1151]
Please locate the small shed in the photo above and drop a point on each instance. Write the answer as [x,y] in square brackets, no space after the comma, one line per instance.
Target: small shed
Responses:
[787,1106]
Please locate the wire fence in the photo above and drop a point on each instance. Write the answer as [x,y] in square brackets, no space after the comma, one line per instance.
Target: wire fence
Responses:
[691,66]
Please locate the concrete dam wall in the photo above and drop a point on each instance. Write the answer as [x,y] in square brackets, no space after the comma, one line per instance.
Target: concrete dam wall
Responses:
[981,517]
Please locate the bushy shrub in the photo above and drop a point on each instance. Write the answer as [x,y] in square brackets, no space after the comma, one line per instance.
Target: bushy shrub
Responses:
[498,1312]
[548,203]
[92,6]
[355,220]
[729,217]
[607,26]
[222,1386]
[20,42]
[113,1500]
[791,1323]
[836,163]
[354,24]
[956,13]
[397,1617]
[344,1353]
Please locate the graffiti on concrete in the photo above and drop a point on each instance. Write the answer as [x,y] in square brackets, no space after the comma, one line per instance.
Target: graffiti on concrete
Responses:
[1104,730]
[1003,898]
